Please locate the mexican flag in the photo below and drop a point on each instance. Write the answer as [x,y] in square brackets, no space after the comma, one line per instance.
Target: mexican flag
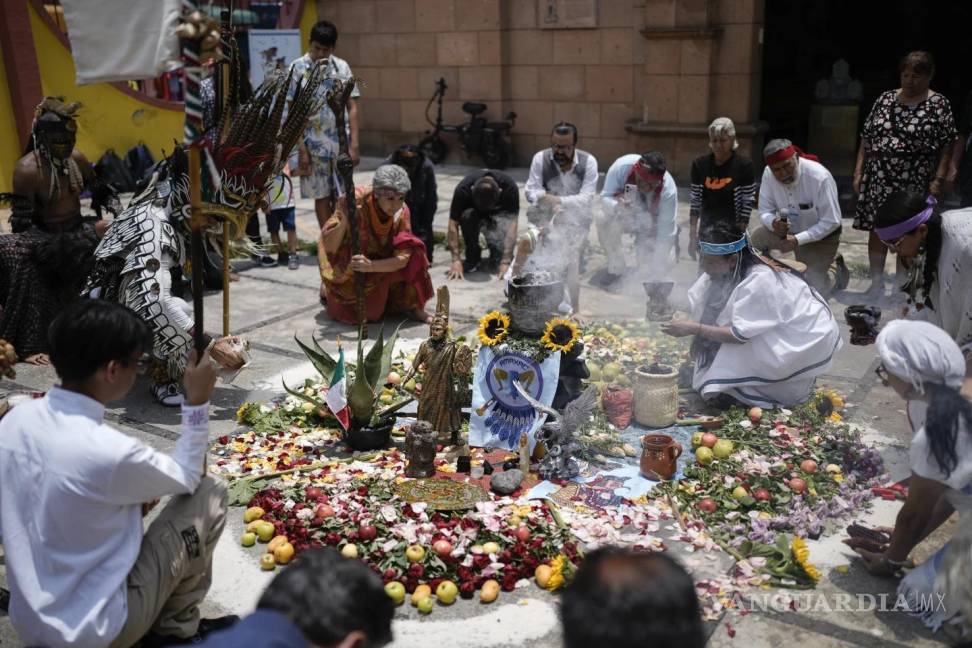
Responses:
[337,394]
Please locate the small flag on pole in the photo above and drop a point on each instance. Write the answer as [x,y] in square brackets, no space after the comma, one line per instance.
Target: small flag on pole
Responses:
[337,394]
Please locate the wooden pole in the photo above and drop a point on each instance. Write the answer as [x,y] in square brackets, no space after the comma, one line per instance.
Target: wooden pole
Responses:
[226,279]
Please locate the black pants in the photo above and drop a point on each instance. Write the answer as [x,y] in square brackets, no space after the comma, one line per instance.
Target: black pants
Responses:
[423,230]
[494,227]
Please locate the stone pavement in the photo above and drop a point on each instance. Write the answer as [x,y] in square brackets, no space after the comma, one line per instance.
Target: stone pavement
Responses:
[270,306]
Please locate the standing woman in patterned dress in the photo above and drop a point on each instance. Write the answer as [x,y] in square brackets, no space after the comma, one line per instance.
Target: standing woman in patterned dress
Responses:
[905,145]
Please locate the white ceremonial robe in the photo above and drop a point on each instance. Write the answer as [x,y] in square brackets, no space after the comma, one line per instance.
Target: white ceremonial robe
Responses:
[788,337]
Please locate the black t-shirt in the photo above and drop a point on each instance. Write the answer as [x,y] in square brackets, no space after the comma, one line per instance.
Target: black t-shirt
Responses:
[722,193]
[508,203]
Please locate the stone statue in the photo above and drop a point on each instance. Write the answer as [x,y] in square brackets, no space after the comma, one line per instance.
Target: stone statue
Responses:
[445,361]
[558,433]
[420,450]
[840,87]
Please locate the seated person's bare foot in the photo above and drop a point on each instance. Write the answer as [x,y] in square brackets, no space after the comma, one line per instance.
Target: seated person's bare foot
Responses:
[233,276]
[38,359]
[419,315]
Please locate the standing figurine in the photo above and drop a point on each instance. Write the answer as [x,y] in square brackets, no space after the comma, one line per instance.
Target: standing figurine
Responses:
[444,361]
[420,450]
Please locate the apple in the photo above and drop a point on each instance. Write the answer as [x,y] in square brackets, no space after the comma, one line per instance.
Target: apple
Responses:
[424,605]
[253,513]
[476,549]
[396,592]
[697,439]
[739,492]
[755,414]
[543,573]
[489,591]
[254,525]
[394,378]
[313,493]
[709,439]
[410,385]
[722,448]
[761,495]
[414,553]
[446,592]
[808,466]
[833,468]
[349,550]
[797,485]
[763,515]
[267,562]
[265,531]
[707,505]
[284,553]
[522,533]
[703,455]
[491,548]
[276,542]
[421,592]
[442,548]
[367,533]
[514,521]
[324,511]
[248,539]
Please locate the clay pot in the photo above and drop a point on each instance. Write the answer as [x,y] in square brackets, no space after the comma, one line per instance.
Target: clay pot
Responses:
[659,456]
[370,438]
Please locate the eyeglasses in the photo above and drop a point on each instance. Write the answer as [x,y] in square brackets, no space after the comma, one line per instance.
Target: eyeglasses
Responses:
[882,374]
[142,363]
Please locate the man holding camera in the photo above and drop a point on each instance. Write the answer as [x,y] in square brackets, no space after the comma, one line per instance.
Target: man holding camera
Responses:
[800,213]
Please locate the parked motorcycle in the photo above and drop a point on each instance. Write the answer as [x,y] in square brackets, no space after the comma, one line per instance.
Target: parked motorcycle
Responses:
[476,136]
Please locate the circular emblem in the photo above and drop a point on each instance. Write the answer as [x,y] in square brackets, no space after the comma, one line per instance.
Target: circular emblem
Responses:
[508,368]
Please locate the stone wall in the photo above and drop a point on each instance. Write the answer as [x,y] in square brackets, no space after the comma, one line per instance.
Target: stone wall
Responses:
[623,87]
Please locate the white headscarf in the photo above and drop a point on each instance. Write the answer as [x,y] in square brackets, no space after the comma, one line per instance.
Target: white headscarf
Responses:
[921,353]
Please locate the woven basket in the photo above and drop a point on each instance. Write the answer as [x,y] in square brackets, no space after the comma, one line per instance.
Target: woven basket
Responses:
[656,397]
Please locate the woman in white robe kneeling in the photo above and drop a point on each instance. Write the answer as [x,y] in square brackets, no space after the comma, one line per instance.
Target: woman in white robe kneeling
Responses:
[925,367]
[762,334]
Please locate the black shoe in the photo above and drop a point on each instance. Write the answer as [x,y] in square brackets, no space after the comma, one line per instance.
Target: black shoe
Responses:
[842,276]
[206,627]
[470,266]
[283,258]
[606,280]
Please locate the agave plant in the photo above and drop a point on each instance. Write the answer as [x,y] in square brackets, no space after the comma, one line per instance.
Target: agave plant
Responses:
[365,378]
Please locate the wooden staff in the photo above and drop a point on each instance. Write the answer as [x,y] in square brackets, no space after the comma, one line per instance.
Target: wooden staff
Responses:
[337,101]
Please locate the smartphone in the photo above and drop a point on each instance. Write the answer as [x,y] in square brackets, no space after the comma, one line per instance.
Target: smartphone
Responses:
[630,192]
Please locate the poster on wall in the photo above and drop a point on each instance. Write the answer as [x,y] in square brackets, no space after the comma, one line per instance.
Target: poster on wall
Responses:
[272,50]
[567,14]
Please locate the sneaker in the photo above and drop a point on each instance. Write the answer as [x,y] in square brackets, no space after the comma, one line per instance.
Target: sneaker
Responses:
[206,628]
[293,262]
[283,258]
[168,395]
[842,276]
[267,261]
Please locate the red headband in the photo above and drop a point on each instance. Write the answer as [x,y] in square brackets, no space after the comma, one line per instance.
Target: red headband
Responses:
[646,174]
[782,154]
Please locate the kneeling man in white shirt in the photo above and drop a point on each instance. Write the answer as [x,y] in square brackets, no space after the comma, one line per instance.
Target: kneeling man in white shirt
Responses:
[73,492]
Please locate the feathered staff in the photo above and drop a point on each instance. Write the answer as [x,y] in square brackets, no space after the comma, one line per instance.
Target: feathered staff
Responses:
[337,99]
[199,33]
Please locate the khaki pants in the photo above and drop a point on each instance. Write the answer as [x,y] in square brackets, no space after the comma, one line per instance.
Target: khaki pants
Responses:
[173,570]
[819,256]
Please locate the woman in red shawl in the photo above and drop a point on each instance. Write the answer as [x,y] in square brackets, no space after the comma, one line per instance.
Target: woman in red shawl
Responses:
[392,259]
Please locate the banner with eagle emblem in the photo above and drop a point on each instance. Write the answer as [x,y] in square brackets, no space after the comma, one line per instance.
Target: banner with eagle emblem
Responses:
[499,414]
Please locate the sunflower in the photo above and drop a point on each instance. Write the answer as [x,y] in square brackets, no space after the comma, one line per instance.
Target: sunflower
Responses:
[801,554]
[493,328]
[557,573]
[560,335]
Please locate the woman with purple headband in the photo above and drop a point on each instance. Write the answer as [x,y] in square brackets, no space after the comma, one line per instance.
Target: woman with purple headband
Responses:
[936,249]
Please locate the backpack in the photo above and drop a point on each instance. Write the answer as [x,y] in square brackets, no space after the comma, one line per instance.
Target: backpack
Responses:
[112,170]
[139,161]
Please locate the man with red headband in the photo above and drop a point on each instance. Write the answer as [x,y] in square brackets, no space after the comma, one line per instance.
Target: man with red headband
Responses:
[639,197]
[800,213]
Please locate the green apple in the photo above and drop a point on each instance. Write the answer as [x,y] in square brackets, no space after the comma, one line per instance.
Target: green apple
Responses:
[349,550]
[703,455]
[248,539]
[722,448]
[267,562]
[491,548]
[414,553]
[424,605]
[265,531]
[739,492]
[446,592]
[697,439]
[396,592]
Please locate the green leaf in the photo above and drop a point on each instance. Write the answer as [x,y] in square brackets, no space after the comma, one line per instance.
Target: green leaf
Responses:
[361,396]
[386,356]
[320,358]
[372,362]
[241,491]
